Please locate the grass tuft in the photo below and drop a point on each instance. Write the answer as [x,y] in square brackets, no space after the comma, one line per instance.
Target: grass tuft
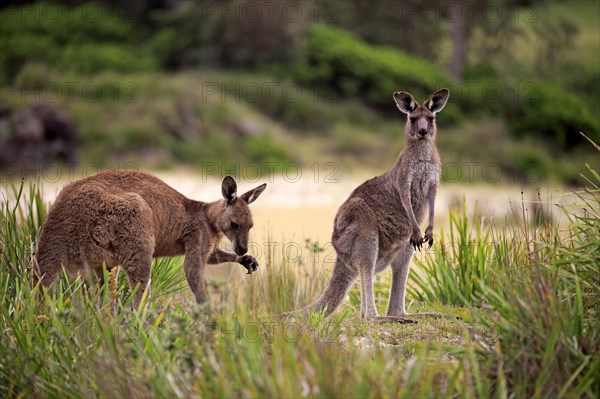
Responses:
[528,293]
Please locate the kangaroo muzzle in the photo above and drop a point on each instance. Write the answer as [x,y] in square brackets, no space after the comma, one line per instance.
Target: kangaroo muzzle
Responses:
[241,250]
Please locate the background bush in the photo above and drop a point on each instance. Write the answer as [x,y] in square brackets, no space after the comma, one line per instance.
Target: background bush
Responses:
[341,61]
[553,114]
[346,58]
[226,33]
[88,38]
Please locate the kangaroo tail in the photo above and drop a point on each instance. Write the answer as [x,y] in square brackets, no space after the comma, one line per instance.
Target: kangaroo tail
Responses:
[337,288]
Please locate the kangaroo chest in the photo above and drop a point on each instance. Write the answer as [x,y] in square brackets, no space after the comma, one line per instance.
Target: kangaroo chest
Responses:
[424,175]
[394,223]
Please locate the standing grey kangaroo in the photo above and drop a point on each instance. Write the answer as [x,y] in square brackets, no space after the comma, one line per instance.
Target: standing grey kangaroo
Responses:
[123,217]
[379,223]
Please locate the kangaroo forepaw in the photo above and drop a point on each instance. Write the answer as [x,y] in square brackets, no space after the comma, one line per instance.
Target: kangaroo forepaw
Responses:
[249,263]
[416,241]
[428,238]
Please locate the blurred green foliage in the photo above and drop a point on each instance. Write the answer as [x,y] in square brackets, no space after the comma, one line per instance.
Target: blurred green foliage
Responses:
[341,61]
[225,33]
[328,74]
[69,39]
[98,57]
[556,115]
[265,149]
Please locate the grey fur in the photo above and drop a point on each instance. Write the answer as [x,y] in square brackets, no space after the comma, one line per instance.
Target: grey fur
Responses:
[122,217]
[378,225]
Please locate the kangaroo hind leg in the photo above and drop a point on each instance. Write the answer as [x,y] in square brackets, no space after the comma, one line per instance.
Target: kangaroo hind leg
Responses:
[362,260]
[400,269]
[337,288]
[132,240]
[396,311]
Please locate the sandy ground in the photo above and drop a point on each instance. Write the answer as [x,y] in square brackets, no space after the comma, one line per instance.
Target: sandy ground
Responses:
[306,208]
[301,206]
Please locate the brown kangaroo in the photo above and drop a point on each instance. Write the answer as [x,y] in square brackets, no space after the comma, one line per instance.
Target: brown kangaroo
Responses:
[379,222]
[128,218]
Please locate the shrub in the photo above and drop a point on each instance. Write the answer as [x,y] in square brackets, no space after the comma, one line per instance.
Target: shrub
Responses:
[554,114]
[339,60]
[33,76]
[97,57]
[479,92]
[195,33]
[266,149]
[299,107]
[85,38]
[481,71]
[16,50]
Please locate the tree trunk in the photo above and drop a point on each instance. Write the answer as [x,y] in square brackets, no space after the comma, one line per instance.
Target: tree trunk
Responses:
[457,15]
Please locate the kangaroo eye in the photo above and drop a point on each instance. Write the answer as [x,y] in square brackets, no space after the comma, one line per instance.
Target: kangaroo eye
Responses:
[235,226]
[413,119]
[430,118]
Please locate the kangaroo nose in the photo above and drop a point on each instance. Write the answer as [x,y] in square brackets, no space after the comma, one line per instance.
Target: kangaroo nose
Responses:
[422,132]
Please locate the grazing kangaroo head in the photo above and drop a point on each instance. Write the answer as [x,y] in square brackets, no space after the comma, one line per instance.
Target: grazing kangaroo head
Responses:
[235,221]
[420,123]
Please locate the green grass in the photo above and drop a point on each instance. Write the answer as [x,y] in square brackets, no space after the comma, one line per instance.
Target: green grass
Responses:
[527,296]
[542,284]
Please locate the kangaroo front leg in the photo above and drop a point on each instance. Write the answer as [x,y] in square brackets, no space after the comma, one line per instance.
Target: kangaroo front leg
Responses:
[220,256]
[193,265]
[194,273]
[431,204]
[416,239]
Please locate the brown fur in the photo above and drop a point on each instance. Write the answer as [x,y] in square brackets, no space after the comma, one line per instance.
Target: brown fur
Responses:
[128,218]
[379,223]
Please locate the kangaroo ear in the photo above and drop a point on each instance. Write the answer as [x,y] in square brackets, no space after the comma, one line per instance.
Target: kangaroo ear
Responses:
[437,100]
[253,194]
[229,189]
[405,102]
